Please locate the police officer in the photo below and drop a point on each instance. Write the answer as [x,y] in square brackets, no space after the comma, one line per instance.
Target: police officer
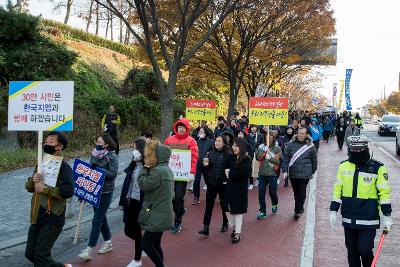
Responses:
[358,121]
[361,189]
[110,123]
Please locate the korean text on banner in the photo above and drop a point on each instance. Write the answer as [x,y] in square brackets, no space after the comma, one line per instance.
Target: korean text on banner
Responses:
[40,106]
[341,94]
[180,162]
[347,89]
[201,109]
[88,182]
[269,111]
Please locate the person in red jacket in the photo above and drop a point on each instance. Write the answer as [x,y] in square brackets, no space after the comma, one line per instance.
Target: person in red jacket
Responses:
[182,140]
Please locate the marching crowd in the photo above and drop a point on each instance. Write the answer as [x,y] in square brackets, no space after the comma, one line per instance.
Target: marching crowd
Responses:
[232,159]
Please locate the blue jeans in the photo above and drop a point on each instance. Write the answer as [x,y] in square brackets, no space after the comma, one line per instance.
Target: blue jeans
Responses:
[263,181]
[99,223]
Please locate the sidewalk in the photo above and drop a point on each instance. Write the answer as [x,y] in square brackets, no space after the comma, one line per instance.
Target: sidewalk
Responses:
[16,203]
[276,241]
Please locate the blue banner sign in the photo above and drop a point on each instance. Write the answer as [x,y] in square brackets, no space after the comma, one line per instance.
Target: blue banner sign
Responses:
[347,89]
[88,182]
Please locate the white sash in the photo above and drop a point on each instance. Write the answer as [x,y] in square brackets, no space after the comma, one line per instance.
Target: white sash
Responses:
[315,130]
[299,153]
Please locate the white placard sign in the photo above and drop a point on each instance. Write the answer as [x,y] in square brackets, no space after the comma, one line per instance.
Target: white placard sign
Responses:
[180,163]
[40,106]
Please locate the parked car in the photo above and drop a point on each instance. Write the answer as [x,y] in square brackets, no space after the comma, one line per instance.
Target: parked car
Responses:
[398,141]
[388,124]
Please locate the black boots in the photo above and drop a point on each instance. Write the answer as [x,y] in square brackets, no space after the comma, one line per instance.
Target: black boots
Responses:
[205,231]
[224,228]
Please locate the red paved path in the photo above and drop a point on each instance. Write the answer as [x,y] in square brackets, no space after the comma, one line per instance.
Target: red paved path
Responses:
[276,241]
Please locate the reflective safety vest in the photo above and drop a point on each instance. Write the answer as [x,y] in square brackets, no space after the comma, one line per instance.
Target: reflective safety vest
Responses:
[361,191]
[358,122]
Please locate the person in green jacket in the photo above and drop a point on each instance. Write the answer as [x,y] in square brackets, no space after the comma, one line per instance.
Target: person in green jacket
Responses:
[156,180]
[269,155]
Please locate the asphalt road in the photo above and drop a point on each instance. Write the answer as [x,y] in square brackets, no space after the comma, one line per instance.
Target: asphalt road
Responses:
[388,143]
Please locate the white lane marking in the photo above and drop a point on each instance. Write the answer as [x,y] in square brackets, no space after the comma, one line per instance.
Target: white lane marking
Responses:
[307,251]
[384,151]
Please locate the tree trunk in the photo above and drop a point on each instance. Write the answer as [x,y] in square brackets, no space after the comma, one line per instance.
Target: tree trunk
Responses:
[120,30]
[167,103]
[112,27]
[127,36]
[90,16]
[97,18]
[69,6]
[108,23]
[233,95]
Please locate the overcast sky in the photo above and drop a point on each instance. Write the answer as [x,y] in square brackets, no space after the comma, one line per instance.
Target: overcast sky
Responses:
[368,33]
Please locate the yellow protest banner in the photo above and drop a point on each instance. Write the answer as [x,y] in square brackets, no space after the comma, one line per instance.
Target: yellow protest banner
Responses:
[269,111]
[201,110]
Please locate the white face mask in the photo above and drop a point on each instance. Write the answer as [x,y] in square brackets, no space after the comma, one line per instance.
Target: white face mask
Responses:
[136,155]
[202,135]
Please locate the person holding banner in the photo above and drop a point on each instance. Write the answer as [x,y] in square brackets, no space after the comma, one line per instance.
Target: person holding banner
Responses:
[103,157]
[182,140]
[48,205]
[299,164]
[156,180]
[236,190]
[269,156]
[214,165]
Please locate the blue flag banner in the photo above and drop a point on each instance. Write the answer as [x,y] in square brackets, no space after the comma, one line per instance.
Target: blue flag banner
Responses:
[88,182]
[347,88]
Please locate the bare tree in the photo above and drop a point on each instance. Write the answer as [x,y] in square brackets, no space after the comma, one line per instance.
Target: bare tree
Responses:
[165,30]
[59,5]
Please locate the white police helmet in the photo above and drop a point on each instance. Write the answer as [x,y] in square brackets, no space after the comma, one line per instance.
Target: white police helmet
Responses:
[358,142]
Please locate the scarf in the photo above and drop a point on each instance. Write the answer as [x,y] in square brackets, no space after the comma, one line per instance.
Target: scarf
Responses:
[134,190]
[99,154]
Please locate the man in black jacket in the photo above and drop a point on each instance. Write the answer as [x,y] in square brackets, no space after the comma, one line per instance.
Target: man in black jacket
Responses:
[48,206]
[299,164]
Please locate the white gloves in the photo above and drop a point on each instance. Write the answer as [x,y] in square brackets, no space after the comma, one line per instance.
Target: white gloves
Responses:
[332,219]
[387,222]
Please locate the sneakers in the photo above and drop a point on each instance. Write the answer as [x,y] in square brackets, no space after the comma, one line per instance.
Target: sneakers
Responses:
[256,182]
[190,189]
[86,254]
[251,187]
[196,201]
[274,209]
[261,216]
[297,216]
[177,228]
[205,187]
[67,265]
[134,263]
[106,247]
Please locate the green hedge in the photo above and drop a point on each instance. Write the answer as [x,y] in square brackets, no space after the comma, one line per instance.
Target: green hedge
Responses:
[76,34]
